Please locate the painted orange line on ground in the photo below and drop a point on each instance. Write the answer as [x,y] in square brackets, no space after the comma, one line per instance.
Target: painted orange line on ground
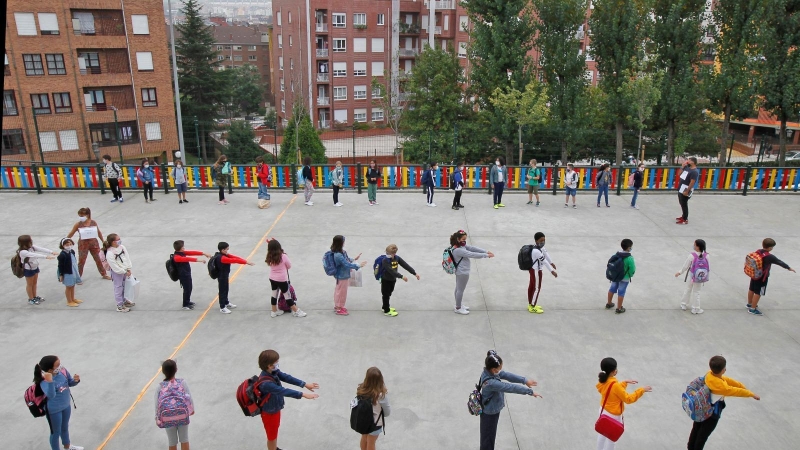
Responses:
[189,334]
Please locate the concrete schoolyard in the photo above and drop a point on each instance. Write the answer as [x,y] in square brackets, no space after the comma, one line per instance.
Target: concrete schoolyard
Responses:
[430,357]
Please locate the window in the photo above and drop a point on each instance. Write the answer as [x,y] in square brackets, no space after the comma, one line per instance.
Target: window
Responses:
[62,102]
[40,103]
[278,17]
[425,22]
[140,25]
[282,85]
[33,65]
[381,19]
[359,45]
[280,41]
[291,63]
[339,69]
[360,93]
[589,55]
[339,20]
[377,45]
[339,45]
[152,131]
[95,100]
[85,22]
[89,63]
[149,97]
[9,104]
[13,142]
[48,141]
[48,23]
[237,48]
[227,47]
[26,24]
[360,20]
[283,105]
[69,140]
[290,40]
[340,93]
[377,115]
[55,64]
[340,115]
[446,22]
[377,92]
[463,23]
[377,68]
[220,58]
[106,134]
[280,62]
[251,57]
[289,17]
[589,75]
[237,57]
[144,60]
[360,69]
[252,48]
[219,48]
[462,49]
[360,115]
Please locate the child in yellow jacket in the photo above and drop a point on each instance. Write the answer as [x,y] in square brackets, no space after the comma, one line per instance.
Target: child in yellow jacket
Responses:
[720,387]
[617,395]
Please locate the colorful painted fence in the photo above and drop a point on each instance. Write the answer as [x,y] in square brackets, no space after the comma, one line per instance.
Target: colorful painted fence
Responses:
[50,177]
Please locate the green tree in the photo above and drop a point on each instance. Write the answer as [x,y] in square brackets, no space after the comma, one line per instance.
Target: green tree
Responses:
[308,138]
[779,65]
[619,28]
[242,147]
[641,90]
[525,108]
[248,92]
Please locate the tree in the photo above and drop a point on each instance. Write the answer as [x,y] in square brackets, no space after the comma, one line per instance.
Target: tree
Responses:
[641,90]
[247,90]
[779,66]
[526,108]
[619,28]
[732,82]
[242,147]
[676,36]
[301,131]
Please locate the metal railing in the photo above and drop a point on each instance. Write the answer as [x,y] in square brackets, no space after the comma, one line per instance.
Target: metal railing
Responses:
[407,52]
[323,101]
[322,53]
[322,27]
[323,77]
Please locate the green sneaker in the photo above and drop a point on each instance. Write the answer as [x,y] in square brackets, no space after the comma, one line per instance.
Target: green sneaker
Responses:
[391,313]
[531,308]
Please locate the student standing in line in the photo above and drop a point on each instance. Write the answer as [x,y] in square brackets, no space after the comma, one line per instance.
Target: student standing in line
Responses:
[308,180]
[493,390]
[462,253]
[689,268]
[29,256]
[758,287]
[147,177]
[571,185]
[264,176]
[120,263]
[374,389]
[112,173]
[390,275]
[170,391]
[620,287]
[343,266]
[337,182]
[88,235]
[498,176]
[372,182]
[603,182]
[68,271]
[181,181]
[54,381]
[458,186]
[720,387]
[182,258]
[534,177]
[540,259]
[271,410]
[638,182]
[223,263]
[428,181]
[688,182]
[279,266]
[222,168]
[614,396]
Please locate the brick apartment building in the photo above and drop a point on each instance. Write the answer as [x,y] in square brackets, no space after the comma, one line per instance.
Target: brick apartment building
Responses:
[238,45]
[73,64]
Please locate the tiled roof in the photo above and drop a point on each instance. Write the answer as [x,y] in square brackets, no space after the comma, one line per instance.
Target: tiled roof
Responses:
[238,34]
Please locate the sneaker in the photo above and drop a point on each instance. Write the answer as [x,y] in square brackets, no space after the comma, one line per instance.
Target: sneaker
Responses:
[697,311]
[537,203]
[460,205]
[375,203]
[146,201]
[755,312]
[127,304]
[683,306]
[609,305]
[276,313]
[114,200]
[337,204]
[496,207]
[682,222]
[180,202]
[222,203]
[225,311]
[33,301]
[454,207]
[191,305]
[608,206]
[619,310]
[598,205]
[121,199]
[432,205]
[226,200]
[501,205]
[634,207]
[370,203]
[73,447]
[122,309]
[390,313]
[188,308]
[566,205]
[529,203]
[461,311]
[230,306]
[299,313]
[153,199]
[531,308]
[574,206]
[39,299]
[308,203]
[342,312]
[464,305]
[538,309]
[749,306]
[185,201]
[679,220]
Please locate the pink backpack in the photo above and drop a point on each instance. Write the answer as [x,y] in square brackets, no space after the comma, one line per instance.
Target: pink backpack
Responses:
[174,404]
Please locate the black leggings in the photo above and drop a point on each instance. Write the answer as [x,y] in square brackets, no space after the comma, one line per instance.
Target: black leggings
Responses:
[282,287]
[113,183]
[148,188]
[498,193]
[335,194]
[684,201]
[221,192]
[457,198]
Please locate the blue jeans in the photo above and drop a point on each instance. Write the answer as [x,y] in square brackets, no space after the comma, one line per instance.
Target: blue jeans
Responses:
[602,190]
[60,423]
[619,288]
[635,196]
[497,193]
[262,191]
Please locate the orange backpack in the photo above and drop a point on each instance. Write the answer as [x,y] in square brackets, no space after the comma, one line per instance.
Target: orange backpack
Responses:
[754,264]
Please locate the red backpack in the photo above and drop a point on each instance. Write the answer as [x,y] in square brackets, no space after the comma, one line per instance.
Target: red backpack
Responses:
[250,398]
[754,264]
[36,400]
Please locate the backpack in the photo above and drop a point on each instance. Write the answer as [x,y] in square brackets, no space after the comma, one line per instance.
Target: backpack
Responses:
[172,268]
[173,405]
[377,267]
[700,269]
[361,416]
[18,266]
[754,264]
[615,269]
[525,258]
[226,168]
[213,265]
[282,304]
[449,264]
[631,180]
[426,177]
[37,404]
[452,180]
[116,168]
[301,181]
[696,400]
[329,263]
[475,401]
[249,397]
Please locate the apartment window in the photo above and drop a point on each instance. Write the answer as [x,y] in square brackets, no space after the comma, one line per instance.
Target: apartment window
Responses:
[48,23]
[462,49]
[251,57]
[13,142]
[377,45]
[69,140]
[360,115]
[291,63]
[33,65]
[340,93]
[152,131]
[377,92]
[340,115]
[144,61]
[237,57]
[62,102]
[280,62]
[360,20]
[95,100]
[339,20]
[149,97]
[280,41]
[55,64]
[289,16]
[463,23]
[377,115]
[227,47]
[589,55]
[40,103]
[359,45]
[360,93]
[89,63]
[219,48]
[339,69]
[381,19]
[360,69]
[26,24]
[140,25]
[291,41]
[339,45]
[283,105]
[105,133]
[377,68]
[282,85]
[48,141]
[278,17]
[9,104]
[252,48]
[237,48]
[220,58]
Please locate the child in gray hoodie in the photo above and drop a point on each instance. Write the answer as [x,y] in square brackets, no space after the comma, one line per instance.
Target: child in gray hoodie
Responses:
[462,253]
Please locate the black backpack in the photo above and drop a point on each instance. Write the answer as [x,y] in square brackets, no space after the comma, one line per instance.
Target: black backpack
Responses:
[453,180]
[615,269]
[361,416]
[524,258]
[213,265]
[172,268]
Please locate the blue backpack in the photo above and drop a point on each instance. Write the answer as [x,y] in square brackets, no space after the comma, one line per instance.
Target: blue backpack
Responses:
[377,268]
[329,263]
[174,405]
[696,400]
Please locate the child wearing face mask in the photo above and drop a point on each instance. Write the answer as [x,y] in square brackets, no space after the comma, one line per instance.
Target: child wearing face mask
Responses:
[181,182]
[372,182]
[88,235]
[638,181]
[540,259]
[147,177]
[54,381]
[614,396]
[68,271]
[498,176]
[120,262]
[458,186]
[462,253]
[337,182]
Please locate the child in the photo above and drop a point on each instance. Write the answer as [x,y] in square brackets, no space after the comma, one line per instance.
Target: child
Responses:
[493,391]
[458,186]
[534,177]
[120,265]
[337,182]
[603,183]
[720,387]
[693,287]
[264,178]
[428,181]
[308,180]
[181,182]
[271,409]
[29,256]
[54,381]
[638,181]
[390,277]
[372,182]
[112,173]
[88,235]
[571,185]
[461,254]
[613,396]
[344,264]
[182,258]
[540,258]
[374,389]
[279,266]
[68,271]
[169,391]
[498,176]
[619,287]
[758,287]
[223,263]
[223,171]
[147,177]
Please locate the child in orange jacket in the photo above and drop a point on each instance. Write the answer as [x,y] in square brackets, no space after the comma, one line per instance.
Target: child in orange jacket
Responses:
[617,396]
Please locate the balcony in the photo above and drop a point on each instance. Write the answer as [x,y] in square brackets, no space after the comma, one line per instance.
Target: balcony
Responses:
[437,30]
[323,101]
[443,4]
[97,23]
[579,35]
[408,28]
[322,28]
[407,53]
[96,62]
[403,97]
[324,124]
[322,53]
[323,77]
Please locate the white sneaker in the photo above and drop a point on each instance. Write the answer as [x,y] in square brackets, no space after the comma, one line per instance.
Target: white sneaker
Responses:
[697,311]
[123,309]
[225,311]
[462,311]
[683,306]
[375,203]
[276,313]
[311,203]
[230,306]
[74,447]
[308,203]
[338,204]
[299,313]
[465,306]
[432,204]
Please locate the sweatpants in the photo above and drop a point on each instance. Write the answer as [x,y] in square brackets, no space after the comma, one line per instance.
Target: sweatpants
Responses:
[113,183]
[457,198]
[335,194]
[59,422]
[692,292]
[604,443]
[684,201]
[387,287]
[308,190]
[430,194]
[489,430]
[186,284]
[224,285]
[702,430]
[372,191]
[497,193]
[340,293]
[533,288]
[461,284]
[148,189]
[118,279]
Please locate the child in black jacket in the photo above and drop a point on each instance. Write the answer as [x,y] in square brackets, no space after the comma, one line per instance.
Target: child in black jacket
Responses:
[390,277]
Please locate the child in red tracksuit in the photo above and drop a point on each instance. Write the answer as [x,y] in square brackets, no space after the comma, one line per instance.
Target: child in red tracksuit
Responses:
[223,263]
[182,258]
[264,178]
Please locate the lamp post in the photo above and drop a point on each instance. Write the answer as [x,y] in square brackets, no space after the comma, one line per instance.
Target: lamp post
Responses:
[116,132]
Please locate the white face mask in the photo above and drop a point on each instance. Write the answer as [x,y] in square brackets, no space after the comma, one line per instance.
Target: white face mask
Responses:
[67,248]
[276,367]
[146,166]
[82,219]
[497,162]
